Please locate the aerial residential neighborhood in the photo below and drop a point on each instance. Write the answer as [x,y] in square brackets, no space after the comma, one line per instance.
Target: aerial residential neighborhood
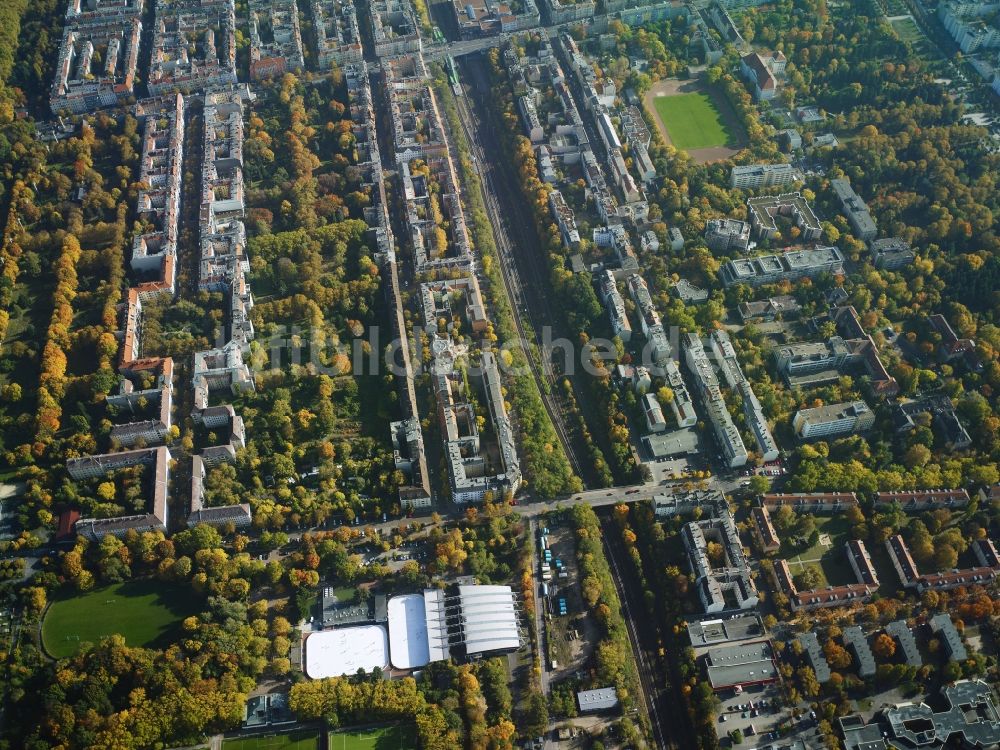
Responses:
[427,374]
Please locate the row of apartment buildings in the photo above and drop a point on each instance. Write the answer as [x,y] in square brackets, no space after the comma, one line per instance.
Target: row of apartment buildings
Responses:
[147,379]
[223,267]
[405,434]
[727,436]
[753,412]
[275,38]
[98,56]
[464,370]
[910,576]
[194,45]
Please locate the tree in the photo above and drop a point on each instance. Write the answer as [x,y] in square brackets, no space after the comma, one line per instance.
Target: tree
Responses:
[809,578]
[536,715]
[884,647]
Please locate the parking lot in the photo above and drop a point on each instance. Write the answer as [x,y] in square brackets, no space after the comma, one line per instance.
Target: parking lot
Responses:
[753,712]
[570,636]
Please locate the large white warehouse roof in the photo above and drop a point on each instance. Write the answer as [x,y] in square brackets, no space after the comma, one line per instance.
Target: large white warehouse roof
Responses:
[488,619]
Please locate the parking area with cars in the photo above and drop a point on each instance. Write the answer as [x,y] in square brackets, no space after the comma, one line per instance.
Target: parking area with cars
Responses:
[754,712]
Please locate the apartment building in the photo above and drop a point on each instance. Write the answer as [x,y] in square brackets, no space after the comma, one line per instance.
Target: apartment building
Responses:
[723,235]
[449,304]
[98,55]
[891,253]
[972,24]
[275,38]
[560,12]
[757,176]
[394,28]
[655,421]
[767,535]
[194,46]
[900,632]
[855,209]
[831,596]
[338,36]
[156,519]
[761,72]
[791,265]
[815,656]
[769,309]
[133,398]
[615,305]
[910,577]
[155,250]
[944,628]
[473,474]
[732,576]
[731,446]
[565,220]
[833,420]
[683,405]
[409,457]
[482,18]
[861,563]
[810,502]
[857,643]
[917,501]
[764,211]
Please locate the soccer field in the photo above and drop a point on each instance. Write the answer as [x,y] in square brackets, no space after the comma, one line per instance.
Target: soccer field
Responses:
[399,737]
[692,120]
[305,740]
[142,611]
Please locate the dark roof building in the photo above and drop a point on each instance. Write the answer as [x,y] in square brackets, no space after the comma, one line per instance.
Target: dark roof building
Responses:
[945,630]
[903,636]
[857,643]
[814,653]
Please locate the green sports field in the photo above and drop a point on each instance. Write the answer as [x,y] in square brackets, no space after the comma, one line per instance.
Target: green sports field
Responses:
[145,612]
[692,120]
[398,737]
[302,740]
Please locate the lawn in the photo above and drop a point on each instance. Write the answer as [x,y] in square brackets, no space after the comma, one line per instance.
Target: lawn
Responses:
[831,560]
[907,30]
[146,612]
[397,737]
[693,121]
[302,740]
